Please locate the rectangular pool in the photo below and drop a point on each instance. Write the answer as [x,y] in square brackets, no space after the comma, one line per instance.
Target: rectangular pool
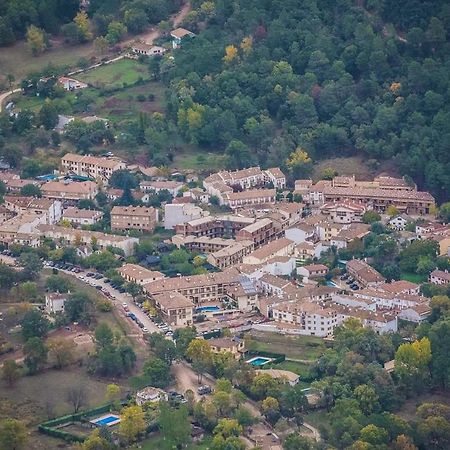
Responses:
[259,361]
[107,420]
[201,309]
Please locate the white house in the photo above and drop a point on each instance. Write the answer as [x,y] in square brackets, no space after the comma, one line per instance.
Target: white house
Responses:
[54,302]
[150,394]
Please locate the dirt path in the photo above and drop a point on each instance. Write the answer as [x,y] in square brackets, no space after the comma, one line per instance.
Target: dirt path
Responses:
[5,95]
[153,33]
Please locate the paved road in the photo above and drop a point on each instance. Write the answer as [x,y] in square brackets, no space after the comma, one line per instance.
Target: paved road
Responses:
[5,95]
[118,300]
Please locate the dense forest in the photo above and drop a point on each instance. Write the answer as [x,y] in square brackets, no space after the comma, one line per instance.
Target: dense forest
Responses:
[55,16]
[333,77]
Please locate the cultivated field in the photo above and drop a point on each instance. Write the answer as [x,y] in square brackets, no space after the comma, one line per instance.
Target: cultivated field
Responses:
[117,74]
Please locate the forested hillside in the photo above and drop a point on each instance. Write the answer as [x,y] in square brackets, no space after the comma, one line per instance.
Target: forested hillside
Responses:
[264,77]
[51,16]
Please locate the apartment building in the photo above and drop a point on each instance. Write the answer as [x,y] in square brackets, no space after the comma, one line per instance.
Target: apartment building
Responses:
[260,232]
[378,194]
[85,190]
[384,299]
[173,187]
[14,185]
[439,277]
[354,232]
[95,167]
[279,247]
[103,241]
[219,226]
[178,214]
[197,288]
[231,255]
[344,211]
[140,218]
[175,308]
[133,273]
[364,274]
[306,317]
[78,216]
[21,229]
[275,176]
[252,197]
[52,209]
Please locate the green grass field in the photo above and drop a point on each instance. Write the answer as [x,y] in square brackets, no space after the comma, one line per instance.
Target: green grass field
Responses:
[116,74]
[308,348]
[413,277]
[157,442]
[18,61]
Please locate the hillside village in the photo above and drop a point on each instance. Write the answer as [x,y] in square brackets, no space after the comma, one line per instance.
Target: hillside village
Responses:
[265,253]
[206,241]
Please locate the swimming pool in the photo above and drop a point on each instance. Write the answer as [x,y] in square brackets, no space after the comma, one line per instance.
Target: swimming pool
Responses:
[107,420]
[332,284]
[207,309]
[259,361]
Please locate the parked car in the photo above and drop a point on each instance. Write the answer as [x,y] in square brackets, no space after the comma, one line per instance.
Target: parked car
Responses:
[204,390]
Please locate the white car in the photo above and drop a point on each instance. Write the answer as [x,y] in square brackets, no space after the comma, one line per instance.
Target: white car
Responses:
[145,330]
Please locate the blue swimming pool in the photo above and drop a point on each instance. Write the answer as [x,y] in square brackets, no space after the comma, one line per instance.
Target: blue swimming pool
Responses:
[201,309]
[259,361]
[332,284]
[106,421]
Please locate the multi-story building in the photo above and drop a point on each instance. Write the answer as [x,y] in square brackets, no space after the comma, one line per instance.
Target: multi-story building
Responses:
[231,255]
[364,274]
[197,288]
[85,190]
[133,273]
[378,194]
[220,226]
[260,232]
[252,197]
[179,213]
[95,167]
[344,211]
[52,209]
[176,309]
[173,187]
[312,271]
[308,318]
[82,216]
[276,177]
[82,237]
[140,218]
[439,277]
[279,247]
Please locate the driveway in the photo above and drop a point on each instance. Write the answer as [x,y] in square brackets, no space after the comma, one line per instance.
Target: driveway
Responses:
[5,95]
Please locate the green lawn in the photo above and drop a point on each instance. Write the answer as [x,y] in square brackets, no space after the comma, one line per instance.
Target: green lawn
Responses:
[413,277]
[124,71]
[157,442]
[308,348]
[299,368]
[199,160]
